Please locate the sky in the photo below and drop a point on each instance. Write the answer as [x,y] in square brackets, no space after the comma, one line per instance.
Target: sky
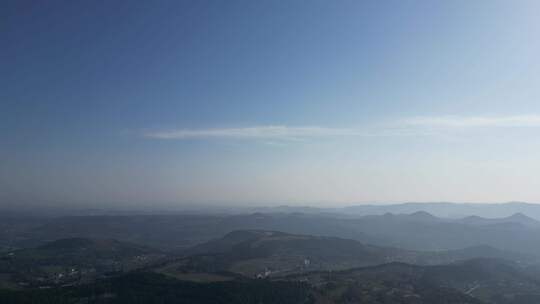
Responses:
[323,103]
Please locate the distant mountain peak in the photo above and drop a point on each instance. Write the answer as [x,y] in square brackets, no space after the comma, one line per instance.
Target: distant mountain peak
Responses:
[522,218]
[519,215]
[422,215]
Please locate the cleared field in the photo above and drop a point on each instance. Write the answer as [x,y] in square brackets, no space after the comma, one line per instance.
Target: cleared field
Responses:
[172,270]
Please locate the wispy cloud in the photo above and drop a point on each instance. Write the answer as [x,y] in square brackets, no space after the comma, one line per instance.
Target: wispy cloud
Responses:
[474,121]
[256,132]
[414,126]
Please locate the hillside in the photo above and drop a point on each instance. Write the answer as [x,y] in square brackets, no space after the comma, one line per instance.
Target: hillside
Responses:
[148,288]
[414,231]
[75,259]
[477,281]
[250,252]
[255,253]
[471,281]
[514,233]
[516,218]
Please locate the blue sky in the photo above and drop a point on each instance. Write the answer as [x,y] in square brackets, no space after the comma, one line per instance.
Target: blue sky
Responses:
[268,102]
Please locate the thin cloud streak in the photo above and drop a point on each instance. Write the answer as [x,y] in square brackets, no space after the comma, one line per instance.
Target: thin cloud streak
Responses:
[475,121]
[257,132]
[415,126]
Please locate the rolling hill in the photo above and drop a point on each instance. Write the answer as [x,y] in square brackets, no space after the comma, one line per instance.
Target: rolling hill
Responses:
[254,253]
[415,231]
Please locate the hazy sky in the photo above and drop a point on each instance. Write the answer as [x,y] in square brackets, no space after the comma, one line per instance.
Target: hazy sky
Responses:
[269,102]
